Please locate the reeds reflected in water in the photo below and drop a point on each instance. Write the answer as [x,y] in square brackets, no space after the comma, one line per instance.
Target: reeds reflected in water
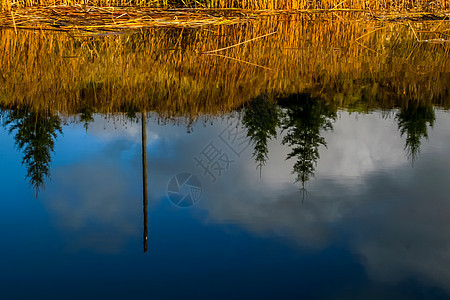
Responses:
[355,64]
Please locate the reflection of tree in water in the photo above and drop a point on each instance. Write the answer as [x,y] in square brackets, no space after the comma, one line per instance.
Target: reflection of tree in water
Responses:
[35,136]
[131,112]
[87,116]
[303,119]
[261,118]
[412,122]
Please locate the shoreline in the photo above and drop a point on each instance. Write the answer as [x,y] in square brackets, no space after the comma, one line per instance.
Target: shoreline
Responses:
[118,20]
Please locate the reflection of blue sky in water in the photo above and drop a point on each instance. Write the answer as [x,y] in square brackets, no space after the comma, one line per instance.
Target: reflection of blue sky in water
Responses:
[366,201]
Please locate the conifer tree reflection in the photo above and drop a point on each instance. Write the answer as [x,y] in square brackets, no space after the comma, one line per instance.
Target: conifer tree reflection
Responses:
[413,121]
[87,116]
[303,119]
[261,118]
[35,137]
[132,112]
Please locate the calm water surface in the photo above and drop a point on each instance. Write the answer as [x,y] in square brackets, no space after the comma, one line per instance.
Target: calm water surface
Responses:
[132,167]
[371,223]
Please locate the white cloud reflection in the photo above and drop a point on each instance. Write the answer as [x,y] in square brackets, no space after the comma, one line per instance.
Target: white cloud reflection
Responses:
[94,202]
[394,216]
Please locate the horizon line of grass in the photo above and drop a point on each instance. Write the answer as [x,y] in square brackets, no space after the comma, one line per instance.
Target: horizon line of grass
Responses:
[386,5]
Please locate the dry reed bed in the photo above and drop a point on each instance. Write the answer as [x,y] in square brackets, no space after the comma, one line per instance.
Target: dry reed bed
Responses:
[86,19]
[418,5]
[365,64]
[94,19]
[91,19]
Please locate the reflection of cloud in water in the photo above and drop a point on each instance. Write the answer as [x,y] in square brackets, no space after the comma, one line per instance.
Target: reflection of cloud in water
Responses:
[273,204]
[110,127]
[392,217]
[280,210]
[95,207]
[360,144]
[97,201]
[364,189]
[409,236]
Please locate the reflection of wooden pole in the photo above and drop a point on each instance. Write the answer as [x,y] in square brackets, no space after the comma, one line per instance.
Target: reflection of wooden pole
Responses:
[144,176]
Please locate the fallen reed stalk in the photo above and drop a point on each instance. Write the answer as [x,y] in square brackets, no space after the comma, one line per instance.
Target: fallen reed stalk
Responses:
[241,43]
[437,41]
[239,60]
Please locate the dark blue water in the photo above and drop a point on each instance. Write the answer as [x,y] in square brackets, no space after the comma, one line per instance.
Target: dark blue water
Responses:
[371,221]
